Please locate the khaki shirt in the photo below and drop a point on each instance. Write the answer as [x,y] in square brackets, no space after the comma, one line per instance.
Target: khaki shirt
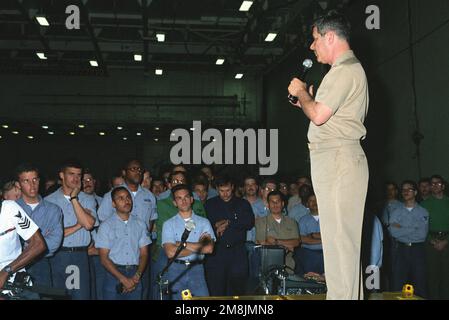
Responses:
[285,230]
[267,226]
[344,89]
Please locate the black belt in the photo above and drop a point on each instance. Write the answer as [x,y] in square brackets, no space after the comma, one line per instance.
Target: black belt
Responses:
[127,267]
[188,263]
[74,249]
[410,244]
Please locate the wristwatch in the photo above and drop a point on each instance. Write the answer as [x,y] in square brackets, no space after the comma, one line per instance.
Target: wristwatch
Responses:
[8,270]
[75,197]
[139,274]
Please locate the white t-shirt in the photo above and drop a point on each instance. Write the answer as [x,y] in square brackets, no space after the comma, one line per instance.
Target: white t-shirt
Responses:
[33,205]
[14,222]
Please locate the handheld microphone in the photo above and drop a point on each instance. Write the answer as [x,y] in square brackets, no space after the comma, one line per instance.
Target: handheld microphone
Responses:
[190,225]
[306,64]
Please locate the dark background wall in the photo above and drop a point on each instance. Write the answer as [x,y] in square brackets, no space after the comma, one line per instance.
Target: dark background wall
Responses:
[391,121]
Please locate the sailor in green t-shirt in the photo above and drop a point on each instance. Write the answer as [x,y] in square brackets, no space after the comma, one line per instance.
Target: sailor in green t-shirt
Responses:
[437,242]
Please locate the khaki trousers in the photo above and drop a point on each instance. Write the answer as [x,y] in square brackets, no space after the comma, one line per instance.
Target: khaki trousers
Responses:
[340,179]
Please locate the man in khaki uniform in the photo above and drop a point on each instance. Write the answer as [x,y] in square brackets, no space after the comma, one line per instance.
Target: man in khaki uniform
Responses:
[277,229]
[338,164]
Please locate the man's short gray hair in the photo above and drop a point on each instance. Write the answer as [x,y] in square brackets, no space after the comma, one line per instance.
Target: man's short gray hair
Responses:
[333,21]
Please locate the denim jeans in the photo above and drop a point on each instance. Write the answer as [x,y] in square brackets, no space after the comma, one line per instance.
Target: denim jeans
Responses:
[97,274]
[182,277]
[110,286]
[70,271]
[40,272]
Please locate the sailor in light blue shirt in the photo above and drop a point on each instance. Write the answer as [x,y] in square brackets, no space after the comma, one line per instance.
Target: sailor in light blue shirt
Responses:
[144,202]
[377,243]
[310,224]
[82,237]
[297,212]
[408,226]
[80,218]
[144,205]
[187,271]
[46,215]
[123,245]
[123,239]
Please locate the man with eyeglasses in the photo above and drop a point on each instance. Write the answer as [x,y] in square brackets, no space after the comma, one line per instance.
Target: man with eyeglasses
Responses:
[97,271]
[408,226]
[144,206]
[437,242]
[167,192]
[46,215]
[166,210]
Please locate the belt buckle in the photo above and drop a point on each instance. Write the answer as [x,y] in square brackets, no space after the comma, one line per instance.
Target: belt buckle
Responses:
[187,263]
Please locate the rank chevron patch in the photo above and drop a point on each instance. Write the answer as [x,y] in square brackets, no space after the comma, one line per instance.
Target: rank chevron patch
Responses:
[24,223]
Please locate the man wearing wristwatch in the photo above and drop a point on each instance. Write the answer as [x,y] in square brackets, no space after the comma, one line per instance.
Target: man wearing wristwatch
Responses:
[79,211]
[186,271]
[15,223]
[123,242]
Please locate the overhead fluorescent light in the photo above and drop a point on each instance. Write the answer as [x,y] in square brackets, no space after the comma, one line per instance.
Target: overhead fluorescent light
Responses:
[81,126]
[15,132]
[239,76]
[158,72]
[138,133]
[41,55]
[45,127]
[156,128]
[246,5]
[5,126]
[101,133]
[137,57]
[156,139]
[160,37]
[50,132]
[42,21]
[93,63]
[220,61]
[270,37]
[72,133]
[30,137]
[119,128]
[125,138]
